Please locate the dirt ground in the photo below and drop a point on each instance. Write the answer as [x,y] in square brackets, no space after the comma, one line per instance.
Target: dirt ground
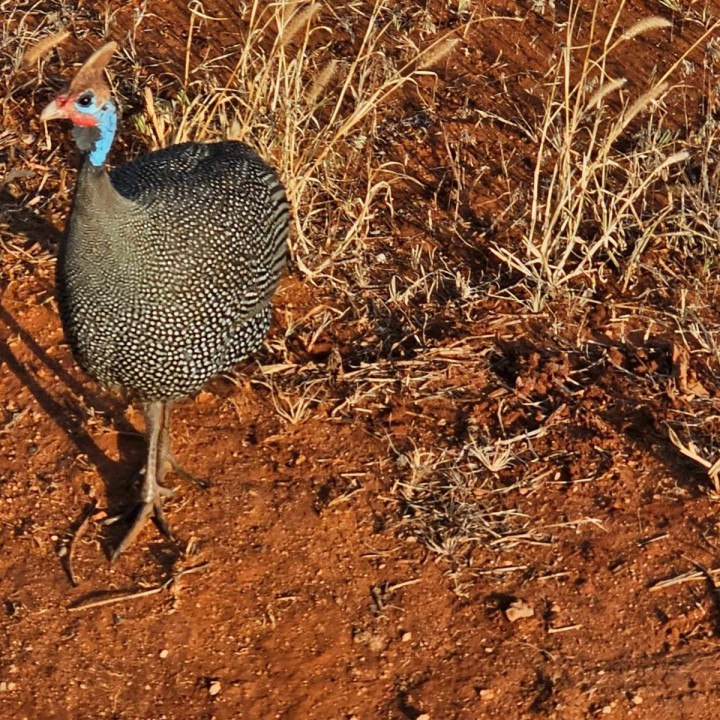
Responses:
[366,549]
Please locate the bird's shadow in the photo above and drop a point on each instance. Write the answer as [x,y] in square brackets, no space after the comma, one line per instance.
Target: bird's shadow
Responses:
[66,409]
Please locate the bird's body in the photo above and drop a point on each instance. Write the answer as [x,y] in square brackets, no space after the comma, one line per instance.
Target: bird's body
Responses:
[168,265]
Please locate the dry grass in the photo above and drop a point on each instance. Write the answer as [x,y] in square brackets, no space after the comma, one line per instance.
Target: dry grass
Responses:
[312,113]
[594,207]
[311,86]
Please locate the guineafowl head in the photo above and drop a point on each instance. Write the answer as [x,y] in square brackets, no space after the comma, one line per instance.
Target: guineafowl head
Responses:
[87,102]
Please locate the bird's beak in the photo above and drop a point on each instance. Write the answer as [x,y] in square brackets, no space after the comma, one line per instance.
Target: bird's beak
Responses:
[52,111]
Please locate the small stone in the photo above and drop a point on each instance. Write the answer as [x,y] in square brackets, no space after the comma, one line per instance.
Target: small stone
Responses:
[362,637]
[406,637]
[11,686]
[163,654]
[377,643]
[518,610]
[3,686]
[636,700]
[487,694]
[214,688]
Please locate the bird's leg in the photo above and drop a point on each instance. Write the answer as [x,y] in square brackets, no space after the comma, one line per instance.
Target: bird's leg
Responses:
[170,458]
[157,417]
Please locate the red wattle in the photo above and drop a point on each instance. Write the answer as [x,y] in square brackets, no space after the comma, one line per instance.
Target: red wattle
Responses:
[82,119]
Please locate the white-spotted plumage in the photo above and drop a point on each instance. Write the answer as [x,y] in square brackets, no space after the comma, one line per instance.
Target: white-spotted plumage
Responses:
[166,275]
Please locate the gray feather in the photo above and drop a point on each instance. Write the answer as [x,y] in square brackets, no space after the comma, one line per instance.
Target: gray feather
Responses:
[169,265]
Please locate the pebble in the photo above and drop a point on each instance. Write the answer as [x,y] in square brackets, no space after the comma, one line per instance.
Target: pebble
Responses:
[214,688]
[164,654]
[518,610]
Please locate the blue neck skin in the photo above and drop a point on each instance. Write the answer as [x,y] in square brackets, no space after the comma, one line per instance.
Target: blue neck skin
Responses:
[107,125]
[96,139]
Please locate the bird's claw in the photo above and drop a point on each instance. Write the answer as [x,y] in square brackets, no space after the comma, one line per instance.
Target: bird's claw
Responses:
[152,508]
[183,474]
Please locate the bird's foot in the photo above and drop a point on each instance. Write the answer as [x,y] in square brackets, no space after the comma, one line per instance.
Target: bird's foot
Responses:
[151,506]
[139,514]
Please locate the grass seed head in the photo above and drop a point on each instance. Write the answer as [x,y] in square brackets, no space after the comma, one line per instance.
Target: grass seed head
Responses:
[42,47]
[656,22]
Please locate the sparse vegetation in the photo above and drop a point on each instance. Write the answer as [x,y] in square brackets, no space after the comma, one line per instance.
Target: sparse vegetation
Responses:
[601,166]
[314,113]
[496,348]
[609,179]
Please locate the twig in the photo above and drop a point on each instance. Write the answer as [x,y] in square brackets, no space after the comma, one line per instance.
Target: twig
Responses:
[502,570]
[564,628]
[690,451]
[644,542]
[140,593]
[77,535]
[553,576]
[690,576]
[392,588]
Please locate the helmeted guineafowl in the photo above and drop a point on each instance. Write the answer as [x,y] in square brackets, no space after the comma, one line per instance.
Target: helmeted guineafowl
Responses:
[168,265]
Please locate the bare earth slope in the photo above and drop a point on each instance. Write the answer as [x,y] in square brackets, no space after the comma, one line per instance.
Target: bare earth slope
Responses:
[430,498]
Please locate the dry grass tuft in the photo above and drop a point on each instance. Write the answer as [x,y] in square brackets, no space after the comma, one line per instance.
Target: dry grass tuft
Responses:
[593,202]
[42,47]
[311,113]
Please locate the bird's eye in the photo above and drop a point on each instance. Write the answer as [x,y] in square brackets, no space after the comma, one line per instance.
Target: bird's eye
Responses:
[85,100]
